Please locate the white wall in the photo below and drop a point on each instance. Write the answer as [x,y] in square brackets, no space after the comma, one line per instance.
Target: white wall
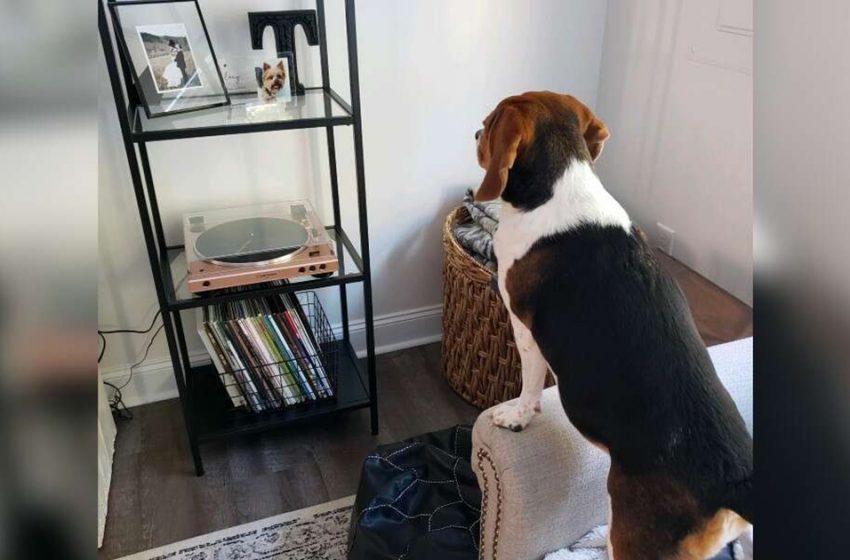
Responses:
[429,72]
[676,91]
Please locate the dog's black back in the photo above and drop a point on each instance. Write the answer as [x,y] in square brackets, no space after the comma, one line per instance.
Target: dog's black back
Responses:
[633,372]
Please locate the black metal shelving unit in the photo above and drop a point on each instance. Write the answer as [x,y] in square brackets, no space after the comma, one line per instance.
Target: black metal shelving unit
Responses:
[206,410]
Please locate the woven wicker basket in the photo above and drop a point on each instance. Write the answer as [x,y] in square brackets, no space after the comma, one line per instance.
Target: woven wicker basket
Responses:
[480,359]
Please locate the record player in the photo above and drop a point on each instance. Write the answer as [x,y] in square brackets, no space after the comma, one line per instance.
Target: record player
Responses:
[254,244]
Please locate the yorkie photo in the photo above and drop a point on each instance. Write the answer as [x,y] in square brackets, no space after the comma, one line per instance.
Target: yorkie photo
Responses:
[273,80]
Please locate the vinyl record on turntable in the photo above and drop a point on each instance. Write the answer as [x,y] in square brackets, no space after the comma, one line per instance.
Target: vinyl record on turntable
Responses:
[251,241]
[232,247]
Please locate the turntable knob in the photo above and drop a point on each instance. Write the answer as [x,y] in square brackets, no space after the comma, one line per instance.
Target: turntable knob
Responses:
[196,224]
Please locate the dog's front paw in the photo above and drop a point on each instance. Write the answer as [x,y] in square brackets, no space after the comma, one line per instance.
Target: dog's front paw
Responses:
[514,417]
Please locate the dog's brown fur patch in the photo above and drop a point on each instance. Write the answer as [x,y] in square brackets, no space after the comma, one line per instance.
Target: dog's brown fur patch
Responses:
[707,541]
[521,281]
[654,517]
[650,515]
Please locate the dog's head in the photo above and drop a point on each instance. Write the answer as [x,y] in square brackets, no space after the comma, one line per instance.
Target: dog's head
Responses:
[540,131]
[273,77]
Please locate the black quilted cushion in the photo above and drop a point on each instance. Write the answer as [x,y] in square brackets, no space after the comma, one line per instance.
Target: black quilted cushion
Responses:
[418,500]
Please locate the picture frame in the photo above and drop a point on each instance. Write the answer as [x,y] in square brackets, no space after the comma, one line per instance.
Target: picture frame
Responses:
[283,24]
[262,61]
[166,47]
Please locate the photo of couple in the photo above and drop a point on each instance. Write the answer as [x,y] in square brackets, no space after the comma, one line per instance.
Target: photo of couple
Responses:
[169,56]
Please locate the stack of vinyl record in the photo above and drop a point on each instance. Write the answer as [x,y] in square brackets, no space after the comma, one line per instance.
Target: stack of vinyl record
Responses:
[271,352]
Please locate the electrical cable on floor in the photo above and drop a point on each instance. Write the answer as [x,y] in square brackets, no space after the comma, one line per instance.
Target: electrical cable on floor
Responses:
[116,403]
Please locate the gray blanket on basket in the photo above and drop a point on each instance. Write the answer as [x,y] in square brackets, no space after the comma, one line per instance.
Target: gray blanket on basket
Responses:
[477,236]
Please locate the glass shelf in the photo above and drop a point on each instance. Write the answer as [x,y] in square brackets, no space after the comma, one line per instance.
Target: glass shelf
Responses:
[175,269]
[316,108]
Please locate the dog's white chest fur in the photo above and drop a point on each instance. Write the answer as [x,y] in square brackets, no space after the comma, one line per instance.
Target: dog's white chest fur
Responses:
[578,198]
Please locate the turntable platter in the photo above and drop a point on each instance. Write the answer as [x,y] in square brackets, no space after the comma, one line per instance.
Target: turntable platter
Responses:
[251,241]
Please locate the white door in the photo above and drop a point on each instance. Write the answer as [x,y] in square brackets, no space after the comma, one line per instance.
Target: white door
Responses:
[704,157]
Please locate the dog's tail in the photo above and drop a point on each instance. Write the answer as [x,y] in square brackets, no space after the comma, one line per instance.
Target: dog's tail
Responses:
[740,499]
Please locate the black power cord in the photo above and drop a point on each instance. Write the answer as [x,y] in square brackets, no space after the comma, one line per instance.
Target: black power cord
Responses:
[133,331]
[116,403]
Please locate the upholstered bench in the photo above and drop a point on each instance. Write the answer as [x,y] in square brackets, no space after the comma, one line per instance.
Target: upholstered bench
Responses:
[525,513]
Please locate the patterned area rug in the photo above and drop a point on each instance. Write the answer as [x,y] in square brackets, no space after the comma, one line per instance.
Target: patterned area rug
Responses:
[316,533]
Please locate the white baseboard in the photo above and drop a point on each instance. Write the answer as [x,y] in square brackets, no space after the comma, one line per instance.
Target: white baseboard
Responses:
[151,382]
[154,380]
[400,330]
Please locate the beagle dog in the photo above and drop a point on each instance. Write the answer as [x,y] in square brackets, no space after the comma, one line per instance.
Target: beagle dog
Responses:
[588,301]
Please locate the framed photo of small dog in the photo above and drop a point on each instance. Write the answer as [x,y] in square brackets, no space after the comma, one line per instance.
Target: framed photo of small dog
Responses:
[165,47]
[275,80]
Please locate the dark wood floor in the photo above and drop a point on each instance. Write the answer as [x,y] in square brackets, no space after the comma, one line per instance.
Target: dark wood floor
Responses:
[155,498]
[719,316]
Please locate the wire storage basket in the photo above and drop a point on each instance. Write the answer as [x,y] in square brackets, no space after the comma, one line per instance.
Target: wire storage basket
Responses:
[273,353]
[480,359]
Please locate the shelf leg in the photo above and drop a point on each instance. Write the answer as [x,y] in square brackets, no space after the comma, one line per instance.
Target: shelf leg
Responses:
[159,232]
[326,84]
[184,351]
[196,457]
[181,378]
[343,294]
[354,79]
[370,353]
[153,240]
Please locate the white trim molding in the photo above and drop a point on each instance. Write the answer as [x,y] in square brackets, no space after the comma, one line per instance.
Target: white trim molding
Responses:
[154,380]
[399,330]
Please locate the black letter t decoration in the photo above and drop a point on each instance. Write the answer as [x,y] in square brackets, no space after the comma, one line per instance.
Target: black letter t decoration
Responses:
[283,25]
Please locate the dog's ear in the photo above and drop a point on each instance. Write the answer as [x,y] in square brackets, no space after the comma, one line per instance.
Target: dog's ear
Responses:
[266,66]
[280,65]
[592,128]
[595,136]
[504,140]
